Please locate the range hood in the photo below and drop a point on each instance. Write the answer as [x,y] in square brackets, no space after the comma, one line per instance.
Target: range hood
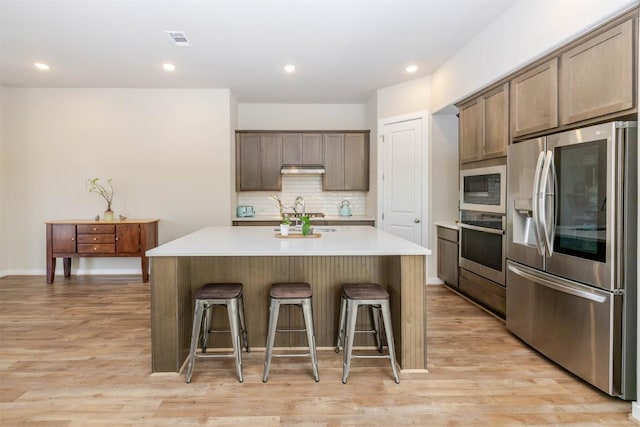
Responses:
[302,170]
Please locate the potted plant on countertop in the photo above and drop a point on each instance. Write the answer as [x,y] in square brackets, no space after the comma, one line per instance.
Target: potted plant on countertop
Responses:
[306,225]
[284,226]
[94,186]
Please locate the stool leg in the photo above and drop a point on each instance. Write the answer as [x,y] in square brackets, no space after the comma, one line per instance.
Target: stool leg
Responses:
[234,323]
[341,323]
[206,327]
[386,316]
[243,324]
[271,336]
[195,336]
[375,317]
[352,315]
[311,336]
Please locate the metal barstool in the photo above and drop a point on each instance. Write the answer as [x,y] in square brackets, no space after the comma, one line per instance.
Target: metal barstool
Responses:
[376,297]
[297,294]
[209,296]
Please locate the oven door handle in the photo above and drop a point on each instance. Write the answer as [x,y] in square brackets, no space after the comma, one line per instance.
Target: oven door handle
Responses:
[483,229]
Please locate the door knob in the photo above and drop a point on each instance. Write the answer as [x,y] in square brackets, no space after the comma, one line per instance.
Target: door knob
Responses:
[416,220]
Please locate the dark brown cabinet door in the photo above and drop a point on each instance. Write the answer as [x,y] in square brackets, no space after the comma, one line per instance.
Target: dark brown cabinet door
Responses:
[496,122]
[597,76]
[333,178]
[356,162]
[127,238]
[292,149]
[248,162]
[270,162]
[312,152]
[63,238]
[534,100]
[471,131]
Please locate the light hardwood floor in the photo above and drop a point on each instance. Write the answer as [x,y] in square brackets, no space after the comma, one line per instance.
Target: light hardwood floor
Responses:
[78,353]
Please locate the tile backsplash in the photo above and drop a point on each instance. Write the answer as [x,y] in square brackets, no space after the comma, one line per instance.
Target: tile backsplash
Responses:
[310,188]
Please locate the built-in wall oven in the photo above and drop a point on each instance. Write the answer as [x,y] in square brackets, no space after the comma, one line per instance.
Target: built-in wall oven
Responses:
[482,244]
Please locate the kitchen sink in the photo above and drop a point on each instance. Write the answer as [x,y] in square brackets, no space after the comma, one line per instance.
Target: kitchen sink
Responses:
[298,229]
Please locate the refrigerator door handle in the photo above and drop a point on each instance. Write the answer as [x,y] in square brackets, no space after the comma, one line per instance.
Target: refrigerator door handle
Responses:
[556,284]
[535,203]
[548,229]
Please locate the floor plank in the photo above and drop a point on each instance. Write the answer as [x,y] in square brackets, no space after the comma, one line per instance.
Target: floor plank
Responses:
[78,353]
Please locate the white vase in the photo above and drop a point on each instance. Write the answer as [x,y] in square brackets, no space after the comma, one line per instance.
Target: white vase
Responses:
[284,229]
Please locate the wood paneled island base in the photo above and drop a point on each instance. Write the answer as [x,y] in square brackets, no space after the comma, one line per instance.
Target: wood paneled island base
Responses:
[174,279]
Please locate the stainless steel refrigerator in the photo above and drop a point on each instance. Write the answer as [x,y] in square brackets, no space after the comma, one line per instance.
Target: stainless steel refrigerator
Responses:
[571,251]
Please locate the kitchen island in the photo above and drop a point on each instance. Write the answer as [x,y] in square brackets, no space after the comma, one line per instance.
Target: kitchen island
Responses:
[257,258]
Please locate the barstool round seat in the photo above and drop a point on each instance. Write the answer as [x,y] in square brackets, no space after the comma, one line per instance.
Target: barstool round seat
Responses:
[290,290]
[364,291]
[219,291]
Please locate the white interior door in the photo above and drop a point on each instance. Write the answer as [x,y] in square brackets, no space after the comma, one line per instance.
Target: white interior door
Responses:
[402,179]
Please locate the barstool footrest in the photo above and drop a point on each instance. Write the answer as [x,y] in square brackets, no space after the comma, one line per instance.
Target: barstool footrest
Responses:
[215,356]
[292,355]
[291,330]
[358,356]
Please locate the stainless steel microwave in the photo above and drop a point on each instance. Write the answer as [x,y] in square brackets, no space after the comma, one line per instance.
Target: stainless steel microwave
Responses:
[484,189]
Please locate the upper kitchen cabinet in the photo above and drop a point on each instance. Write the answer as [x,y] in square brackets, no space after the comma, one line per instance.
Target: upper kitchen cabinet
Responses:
[534,99]
[346,161]
[258,161]
[484,125]
[302,149]
[596,76]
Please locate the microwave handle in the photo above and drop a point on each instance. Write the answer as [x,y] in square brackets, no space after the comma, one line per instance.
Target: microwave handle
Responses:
[535,205]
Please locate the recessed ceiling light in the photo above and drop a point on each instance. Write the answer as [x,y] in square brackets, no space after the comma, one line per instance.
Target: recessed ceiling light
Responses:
[42,66]
[168,67]
[289,68]
[411,69]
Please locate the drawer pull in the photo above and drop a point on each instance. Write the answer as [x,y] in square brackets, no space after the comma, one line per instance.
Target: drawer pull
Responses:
[73,238]
[94,229]
[94,239]
[95,249]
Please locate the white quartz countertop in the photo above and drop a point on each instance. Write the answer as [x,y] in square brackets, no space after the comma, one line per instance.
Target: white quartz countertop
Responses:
[447,224]
[324,218]
[262,241]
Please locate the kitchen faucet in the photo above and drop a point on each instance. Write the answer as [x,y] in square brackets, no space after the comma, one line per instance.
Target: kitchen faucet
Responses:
[299,202]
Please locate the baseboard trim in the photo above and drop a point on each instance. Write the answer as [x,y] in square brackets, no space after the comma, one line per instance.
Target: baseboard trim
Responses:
[635,410]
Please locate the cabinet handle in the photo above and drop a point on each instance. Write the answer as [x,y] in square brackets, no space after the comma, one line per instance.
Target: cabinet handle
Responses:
[95,249]
[94,229]
[73,238]
[117,238]
[94,239]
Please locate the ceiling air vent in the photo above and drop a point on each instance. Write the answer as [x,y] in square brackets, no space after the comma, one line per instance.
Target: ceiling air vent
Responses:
[179,38]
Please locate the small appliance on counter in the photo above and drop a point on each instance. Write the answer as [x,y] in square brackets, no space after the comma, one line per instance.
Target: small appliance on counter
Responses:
[245,211]
[345,208]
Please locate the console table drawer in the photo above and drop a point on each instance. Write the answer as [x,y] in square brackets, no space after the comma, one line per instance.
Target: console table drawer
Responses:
[97,249]
[96,228]
[96,238]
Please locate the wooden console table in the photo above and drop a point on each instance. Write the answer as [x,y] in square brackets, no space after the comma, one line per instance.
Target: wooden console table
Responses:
[69,239]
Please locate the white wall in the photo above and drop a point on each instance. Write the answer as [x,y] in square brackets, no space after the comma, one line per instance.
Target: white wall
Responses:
[3,193]
[371,201]
[404,98]
[167,151]
[443,164]
[301,116]
[526,31]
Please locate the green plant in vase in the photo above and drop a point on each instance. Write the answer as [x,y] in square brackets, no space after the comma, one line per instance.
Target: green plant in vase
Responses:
[94,186]
[306,225]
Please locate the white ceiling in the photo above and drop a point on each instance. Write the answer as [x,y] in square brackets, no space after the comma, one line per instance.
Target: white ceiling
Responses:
[343,49]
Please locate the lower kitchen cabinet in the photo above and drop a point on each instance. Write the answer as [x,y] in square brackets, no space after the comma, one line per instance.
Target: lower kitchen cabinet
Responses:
[485,292]
[448,256]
